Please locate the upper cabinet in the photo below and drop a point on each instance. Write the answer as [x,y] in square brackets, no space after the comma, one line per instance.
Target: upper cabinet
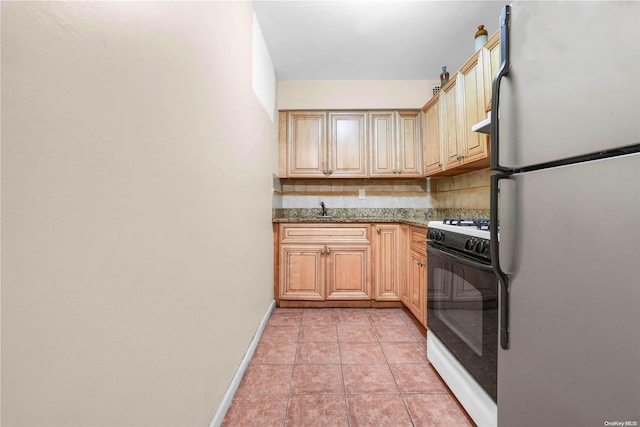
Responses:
[431,131]
[347,154]
[350,144]
[491,52]
[395,144]
[474,146]
[461,104]
[306,144]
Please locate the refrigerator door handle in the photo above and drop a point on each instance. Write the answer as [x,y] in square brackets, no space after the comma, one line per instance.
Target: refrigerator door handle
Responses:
[494,249]
[505,65]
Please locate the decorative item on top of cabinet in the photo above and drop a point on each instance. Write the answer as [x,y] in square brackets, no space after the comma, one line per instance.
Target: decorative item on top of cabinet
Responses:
[480,37]
[390,259]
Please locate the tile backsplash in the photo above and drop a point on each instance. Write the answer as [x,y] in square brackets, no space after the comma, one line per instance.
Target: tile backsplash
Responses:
[468,191]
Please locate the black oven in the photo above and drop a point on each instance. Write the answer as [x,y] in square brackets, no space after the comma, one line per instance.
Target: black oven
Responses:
[462,305]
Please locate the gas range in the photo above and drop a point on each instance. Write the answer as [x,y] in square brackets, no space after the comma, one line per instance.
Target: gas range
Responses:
[471,237]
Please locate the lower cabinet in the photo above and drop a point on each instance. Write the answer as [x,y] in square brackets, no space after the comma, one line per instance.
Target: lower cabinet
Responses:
[390,260]
[414,294]
[318,263]
[377,264]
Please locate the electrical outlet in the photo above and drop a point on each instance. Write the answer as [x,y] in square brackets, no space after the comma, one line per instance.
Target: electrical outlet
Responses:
[362,194]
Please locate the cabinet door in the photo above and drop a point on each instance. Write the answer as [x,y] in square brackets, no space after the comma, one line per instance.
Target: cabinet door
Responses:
[409,152]
[417,289]
[382,144]
[432,138]
[491,52]
[473,108]
[306,144]
[404,280]
[389,260]
[348,272]
[302,272]
[449,124]
[347,145]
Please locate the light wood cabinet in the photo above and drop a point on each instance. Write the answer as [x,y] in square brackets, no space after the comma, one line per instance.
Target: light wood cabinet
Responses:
[432,137]
[395,145]
[348,272]
[306,144]
[347,150]
[320,144]
[409,153]
[449,124]
[382,143]
[472,104]
[460,105]
[350,144]
[390,261]
[302,272]
[414,296]
[491,51]
[319,262]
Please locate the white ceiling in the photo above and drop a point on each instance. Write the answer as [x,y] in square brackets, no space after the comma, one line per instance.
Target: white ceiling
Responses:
[372,40]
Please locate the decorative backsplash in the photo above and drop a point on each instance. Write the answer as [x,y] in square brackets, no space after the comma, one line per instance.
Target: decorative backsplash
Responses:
[467,192]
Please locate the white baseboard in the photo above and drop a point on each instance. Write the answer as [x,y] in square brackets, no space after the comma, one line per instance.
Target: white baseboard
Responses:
[235,382]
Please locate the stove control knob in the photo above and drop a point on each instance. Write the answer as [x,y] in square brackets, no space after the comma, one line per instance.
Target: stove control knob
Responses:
[440,236]
[482,247]
[432,234]
[469,244]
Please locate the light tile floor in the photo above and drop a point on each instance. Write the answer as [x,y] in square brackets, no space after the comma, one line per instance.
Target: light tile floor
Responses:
[343,367]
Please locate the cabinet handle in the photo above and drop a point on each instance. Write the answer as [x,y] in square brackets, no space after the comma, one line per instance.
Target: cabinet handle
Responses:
[420,241]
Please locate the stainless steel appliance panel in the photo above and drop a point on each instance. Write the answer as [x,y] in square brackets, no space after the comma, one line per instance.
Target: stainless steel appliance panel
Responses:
[574,82]
[575,295]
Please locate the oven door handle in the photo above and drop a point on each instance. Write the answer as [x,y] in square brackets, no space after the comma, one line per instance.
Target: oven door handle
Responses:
[462,260]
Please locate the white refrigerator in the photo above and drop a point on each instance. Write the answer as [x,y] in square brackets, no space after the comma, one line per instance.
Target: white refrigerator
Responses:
[565,141]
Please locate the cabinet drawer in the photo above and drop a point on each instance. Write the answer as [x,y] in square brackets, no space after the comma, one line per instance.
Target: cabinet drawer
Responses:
[418,239]
[320,233]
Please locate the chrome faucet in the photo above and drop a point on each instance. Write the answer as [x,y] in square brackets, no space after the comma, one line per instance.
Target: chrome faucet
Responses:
[324,209]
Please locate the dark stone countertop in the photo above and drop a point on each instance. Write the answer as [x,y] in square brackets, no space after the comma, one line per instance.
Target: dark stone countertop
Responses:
[418,217]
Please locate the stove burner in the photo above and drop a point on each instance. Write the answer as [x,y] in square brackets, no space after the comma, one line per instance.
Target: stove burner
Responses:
[480,224]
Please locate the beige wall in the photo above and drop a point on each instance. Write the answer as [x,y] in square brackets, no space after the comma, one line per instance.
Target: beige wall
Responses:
[136,190]
[354,94]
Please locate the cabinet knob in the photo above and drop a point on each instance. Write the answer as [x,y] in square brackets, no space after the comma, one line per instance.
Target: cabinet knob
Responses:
[420,241]
[439,164]
[379,230]
[325,172]
[328,251]
[330,171]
